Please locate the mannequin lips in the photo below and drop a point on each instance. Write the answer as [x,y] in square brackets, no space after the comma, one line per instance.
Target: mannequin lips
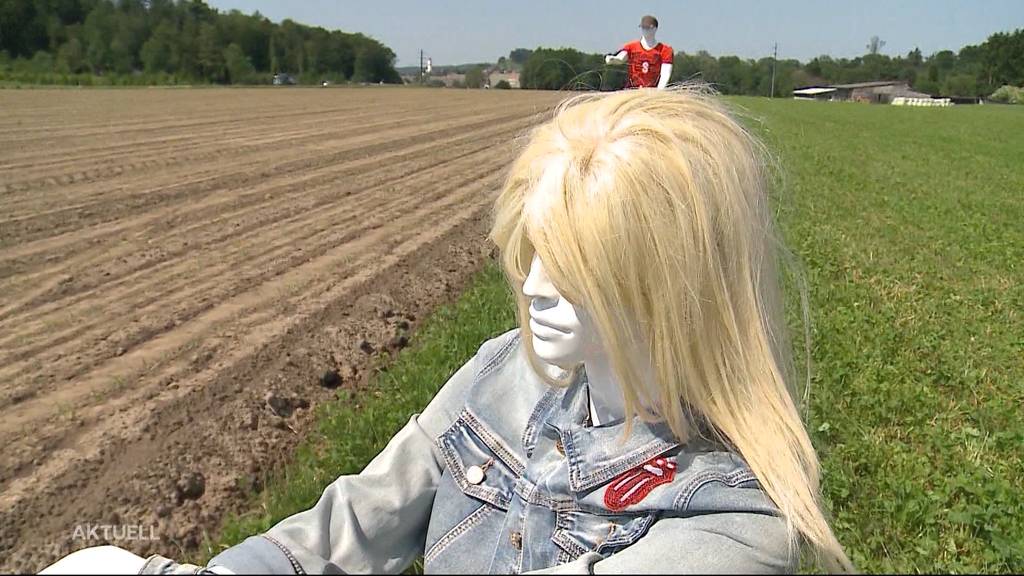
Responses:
[546,331]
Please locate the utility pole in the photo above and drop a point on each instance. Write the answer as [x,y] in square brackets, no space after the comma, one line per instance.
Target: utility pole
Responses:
[775,58]
[421,66]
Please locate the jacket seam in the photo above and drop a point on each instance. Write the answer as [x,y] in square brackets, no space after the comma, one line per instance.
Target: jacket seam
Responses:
[288,554]
[731,479]
[498,357]
[492,442]
[532,495]
[563,540]
[529,440]
[458,530]
[628,537]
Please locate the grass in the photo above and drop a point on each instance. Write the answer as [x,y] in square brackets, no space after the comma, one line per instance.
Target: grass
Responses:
[909,223]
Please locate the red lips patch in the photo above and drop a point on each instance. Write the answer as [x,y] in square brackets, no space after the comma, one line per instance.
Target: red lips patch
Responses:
[633,486]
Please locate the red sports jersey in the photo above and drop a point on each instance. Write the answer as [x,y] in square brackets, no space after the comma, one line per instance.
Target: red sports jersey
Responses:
[645,65]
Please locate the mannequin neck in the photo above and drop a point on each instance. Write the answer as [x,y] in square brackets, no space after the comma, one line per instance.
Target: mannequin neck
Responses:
[648,41]
[606,402]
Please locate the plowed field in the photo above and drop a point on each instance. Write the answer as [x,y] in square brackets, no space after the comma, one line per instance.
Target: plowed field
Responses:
[179,267]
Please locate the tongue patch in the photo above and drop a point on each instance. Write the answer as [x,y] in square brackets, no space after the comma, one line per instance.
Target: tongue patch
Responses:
[633,486]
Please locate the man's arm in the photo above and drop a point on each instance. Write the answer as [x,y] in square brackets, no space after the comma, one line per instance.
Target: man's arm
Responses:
[666,65]
[621,56]
[666,73]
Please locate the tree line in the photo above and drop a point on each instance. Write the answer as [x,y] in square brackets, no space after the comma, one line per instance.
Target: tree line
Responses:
[175,41]
[976,70]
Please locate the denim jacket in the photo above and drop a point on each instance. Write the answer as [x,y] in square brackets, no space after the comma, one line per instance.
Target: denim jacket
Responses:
[502,473]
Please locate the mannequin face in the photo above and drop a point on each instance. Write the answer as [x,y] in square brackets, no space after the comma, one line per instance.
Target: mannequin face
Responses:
[648,33]
[563,335]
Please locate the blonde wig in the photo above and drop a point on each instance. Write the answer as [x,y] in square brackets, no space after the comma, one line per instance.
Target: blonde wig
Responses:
[649,209]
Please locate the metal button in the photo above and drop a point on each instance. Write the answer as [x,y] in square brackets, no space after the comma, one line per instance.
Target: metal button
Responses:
[559,447]
[474,475]
[517,540]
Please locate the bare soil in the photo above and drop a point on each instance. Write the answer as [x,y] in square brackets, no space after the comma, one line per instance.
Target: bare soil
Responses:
[179,267]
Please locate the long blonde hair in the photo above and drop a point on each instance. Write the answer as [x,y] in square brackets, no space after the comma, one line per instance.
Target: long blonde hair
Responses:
[649,209]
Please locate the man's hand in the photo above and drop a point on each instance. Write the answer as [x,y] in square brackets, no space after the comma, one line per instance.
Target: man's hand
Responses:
[615,58]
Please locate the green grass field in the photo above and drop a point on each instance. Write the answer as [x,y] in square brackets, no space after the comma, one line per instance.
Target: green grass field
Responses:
[909,223]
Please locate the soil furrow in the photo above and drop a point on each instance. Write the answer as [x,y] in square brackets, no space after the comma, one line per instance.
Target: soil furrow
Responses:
[161,275]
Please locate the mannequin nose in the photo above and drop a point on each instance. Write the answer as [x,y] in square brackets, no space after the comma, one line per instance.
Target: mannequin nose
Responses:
[539,288]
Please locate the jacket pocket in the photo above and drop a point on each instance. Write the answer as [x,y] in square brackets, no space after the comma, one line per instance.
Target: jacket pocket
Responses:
[481,465]
[473,495]
[578,532]
[482,516]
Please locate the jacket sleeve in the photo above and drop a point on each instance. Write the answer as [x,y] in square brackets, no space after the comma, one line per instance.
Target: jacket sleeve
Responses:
[371,522]
[376,521]
[723,543]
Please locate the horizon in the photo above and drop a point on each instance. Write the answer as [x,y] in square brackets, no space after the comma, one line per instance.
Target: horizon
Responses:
[473,33]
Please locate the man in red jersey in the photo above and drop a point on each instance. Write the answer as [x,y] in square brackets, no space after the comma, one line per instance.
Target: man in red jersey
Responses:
[650,62]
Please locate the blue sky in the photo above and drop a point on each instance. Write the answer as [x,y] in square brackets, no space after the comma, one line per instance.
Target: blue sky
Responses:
[462,31]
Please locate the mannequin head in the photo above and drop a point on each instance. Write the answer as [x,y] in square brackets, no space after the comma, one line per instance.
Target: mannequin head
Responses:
[649,212]
[648,29]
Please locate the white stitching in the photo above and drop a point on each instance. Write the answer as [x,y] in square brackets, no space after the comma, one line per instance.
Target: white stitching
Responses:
[454,462]
[732,479]
[295,563]
[492,442]
[468,522]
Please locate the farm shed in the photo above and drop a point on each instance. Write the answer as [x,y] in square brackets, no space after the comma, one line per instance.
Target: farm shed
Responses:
[814,93]
[880,92]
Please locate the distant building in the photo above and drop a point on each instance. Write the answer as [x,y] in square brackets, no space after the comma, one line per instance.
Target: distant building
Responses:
[448,76]
[814,93]
[453,79]
[880,92]
[512,77]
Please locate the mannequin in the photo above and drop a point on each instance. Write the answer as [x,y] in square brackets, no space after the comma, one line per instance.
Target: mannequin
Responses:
[644,55]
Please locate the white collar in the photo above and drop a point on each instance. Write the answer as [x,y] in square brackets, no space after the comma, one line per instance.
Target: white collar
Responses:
[594,420]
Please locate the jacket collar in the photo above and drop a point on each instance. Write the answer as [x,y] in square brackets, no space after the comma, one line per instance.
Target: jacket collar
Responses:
[596,454]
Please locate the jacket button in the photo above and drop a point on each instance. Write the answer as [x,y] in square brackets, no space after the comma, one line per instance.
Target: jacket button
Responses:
[474,475]
[517,540]
[559,447]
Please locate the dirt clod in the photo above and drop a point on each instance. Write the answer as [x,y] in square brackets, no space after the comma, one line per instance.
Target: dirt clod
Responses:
[190,487]
[398,342]
[330,379]
[285,406]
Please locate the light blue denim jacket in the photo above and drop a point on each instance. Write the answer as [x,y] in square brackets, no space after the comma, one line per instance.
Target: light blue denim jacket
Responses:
[541,502]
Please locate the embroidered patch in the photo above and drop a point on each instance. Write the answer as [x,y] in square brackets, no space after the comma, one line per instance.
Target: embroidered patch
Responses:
[633,486]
